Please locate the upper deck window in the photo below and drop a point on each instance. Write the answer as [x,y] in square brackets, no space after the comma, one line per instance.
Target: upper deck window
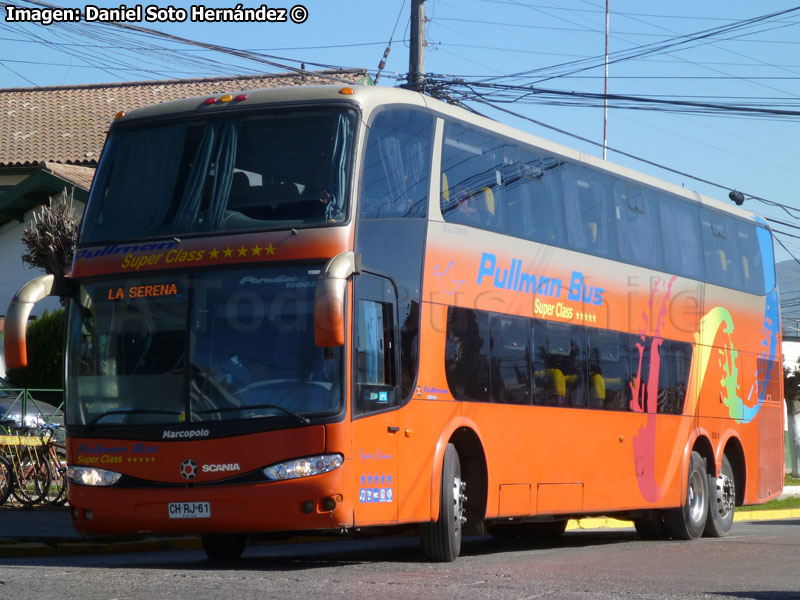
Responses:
[397,165]
[283,169]
[472,178]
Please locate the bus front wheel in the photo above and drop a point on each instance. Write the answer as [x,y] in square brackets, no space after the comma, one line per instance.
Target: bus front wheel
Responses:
[224,546]
[441,540]
[721,501]
[689,521]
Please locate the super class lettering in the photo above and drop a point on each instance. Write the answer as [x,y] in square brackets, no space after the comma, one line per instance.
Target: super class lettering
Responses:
[513,278]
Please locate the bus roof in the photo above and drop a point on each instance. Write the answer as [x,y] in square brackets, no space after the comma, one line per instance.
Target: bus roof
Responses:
[371,97]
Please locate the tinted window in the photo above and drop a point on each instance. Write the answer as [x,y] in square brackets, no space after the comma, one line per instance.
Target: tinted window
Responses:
[533,196]
[674,361]
[510,359]
[214,345]
[750,257]
[222,174]
[467,354]
[559,364]
[375,345]
[673,376]
[609,370]
[721,249]
[638,227]
[472,178]
[397,165]
[680,223]
[588,210]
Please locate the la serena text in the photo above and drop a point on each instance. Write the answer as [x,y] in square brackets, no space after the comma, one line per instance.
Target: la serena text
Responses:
[143,291]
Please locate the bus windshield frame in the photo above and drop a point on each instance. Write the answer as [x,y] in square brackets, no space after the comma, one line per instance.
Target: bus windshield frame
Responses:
[207,347]
[277,169]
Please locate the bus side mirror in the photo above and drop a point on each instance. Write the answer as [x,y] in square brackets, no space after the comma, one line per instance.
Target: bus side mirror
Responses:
[16,323]
[329,298]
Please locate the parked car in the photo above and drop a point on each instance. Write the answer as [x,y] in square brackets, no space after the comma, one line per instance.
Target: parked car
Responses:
[37,412]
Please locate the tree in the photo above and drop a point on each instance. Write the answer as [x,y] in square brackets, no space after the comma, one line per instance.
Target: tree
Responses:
[51,235]
[791,390]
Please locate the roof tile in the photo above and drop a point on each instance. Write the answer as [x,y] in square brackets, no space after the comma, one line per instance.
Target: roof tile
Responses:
[68,124]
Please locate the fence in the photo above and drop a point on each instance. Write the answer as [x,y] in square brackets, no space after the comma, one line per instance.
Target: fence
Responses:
[32,406]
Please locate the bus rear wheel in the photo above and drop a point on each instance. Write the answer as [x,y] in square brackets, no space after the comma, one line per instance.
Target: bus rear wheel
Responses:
[688,522]
[721,501]
[224,546]
[441,540]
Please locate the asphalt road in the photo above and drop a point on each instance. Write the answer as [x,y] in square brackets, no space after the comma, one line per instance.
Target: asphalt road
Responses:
[759,560]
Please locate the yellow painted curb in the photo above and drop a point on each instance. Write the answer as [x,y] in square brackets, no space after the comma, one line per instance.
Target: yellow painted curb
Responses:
[767,515]
[741,515]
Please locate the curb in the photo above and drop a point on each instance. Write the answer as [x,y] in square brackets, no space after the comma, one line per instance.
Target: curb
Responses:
[740,515]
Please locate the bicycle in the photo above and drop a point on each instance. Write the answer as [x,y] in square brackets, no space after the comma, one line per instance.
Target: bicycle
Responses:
[54,454]
[23,472]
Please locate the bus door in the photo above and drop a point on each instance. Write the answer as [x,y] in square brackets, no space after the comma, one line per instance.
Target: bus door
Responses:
[376,397]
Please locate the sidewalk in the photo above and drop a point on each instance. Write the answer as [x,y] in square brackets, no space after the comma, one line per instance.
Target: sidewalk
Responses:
[46,531]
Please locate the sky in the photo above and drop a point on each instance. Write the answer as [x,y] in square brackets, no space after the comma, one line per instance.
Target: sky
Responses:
[732,53]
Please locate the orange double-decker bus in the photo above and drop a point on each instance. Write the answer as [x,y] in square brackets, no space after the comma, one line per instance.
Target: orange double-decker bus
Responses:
[326,308]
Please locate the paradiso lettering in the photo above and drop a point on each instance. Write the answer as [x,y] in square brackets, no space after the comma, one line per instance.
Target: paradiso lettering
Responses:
[512,278]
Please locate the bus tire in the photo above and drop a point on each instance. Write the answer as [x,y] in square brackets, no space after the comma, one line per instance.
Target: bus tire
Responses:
[441,540]
[721,501]
[688,522]
[651,526]
[224,546]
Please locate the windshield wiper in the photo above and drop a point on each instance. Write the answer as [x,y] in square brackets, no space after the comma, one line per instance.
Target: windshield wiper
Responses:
[129,411]
[299,417]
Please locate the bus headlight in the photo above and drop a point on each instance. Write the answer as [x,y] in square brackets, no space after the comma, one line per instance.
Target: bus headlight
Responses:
[304,467]
[92,476]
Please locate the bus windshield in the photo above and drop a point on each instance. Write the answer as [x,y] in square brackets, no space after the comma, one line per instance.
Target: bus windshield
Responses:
[248,351]
[228,173]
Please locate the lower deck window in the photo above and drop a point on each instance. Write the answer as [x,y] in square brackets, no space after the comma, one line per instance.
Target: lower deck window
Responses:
[507,359]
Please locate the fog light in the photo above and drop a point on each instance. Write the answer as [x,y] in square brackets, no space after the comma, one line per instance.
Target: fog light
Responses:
[328,503]
[76,515]
[89,514]
[307,506]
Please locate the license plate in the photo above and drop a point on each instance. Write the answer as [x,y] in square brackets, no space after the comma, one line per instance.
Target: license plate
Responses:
[189,510]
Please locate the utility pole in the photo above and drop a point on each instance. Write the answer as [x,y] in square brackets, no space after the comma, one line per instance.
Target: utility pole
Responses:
[416,56]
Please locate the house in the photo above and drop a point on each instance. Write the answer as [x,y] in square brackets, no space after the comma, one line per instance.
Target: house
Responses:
[51,139]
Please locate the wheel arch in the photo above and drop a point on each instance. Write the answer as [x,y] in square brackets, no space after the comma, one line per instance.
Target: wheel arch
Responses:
[735,453]
[475,473]
[702,445]
[467,441]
